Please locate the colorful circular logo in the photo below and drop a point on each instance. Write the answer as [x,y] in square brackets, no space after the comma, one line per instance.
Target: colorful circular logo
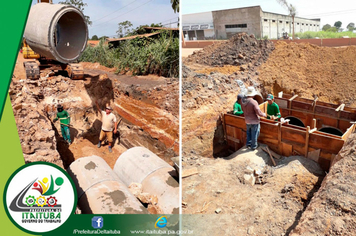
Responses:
[39,197]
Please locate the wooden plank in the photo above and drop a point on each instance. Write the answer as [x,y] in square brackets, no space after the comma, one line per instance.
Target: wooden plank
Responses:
[328,135]
[236,121]
[287,149]
[269,129]
[290,103]
[307,141]
[282,103]
[235,140]
[326,111]
[314,155]
[275,155]
[292,98]
[230,131]
[312,130]
[263,107]
[314,123]
[314,103]
[348,132]
[263,138]
[270,156]
[344,125]
[292,134]
[326,143]
[348,115]
[340,108]
[326,121]
[189,172]
[287,110]
[302,106]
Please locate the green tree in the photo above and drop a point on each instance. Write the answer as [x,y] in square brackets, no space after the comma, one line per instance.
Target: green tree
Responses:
[124,28]
[175,5]
[332,29]
[291,9]
[338,24]
[80,5]
[351,26]
[326,27]
[95,37]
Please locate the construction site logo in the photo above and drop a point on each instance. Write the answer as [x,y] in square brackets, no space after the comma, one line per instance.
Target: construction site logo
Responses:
[39,197]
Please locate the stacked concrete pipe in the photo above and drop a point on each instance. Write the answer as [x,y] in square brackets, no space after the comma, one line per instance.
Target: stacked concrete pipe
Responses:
[56,31]
[99,189]
[140,165]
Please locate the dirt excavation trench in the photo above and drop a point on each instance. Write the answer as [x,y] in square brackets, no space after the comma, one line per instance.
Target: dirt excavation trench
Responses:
[295,197]
[147,107]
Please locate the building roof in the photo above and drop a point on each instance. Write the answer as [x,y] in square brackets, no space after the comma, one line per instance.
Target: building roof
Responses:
[143,35]
[132,37]
[93,42]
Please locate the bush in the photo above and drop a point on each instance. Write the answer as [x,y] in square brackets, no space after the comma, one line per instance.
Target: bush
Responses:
[141,56]
[324,34]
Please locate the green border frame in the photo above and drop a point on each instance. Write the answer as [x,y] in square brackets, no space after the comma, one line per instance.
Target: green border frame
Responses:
[31,164]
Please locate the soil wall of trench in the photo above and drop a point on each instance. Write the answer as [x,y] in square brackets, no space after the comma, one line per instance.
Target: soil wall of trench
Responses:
[143,105]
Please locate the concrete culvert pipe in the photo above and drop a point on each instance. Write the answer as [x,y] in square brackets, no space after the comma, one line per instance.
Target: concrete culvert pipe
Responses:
[140,165]
[331,130]
[295,121]
[56,31]
[99,189]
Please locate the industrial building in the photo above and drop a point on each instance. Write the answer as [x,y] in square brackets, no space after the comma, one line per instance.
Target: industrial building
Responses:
[223,24]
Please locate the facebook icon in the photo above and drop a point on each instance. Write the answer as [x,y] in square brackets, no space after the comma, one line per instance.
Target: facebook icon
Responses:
[97,222]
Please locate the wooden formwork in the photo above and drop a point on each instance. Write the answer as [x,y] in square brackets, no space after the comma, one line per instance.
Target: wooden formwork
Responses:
[287,139]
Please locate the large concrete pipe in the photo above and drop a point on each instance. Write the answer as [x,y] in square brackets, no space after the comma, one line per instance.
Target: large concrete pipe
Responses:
[56,31]
[295,121]
[140,165]
[99,189]
[331,130]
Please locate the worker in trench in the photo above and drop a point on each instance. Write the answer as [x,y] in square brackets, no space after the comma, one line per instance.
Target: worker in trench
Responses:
[109,124]
[237,107]
[64,118]
[273,112]
[252,114]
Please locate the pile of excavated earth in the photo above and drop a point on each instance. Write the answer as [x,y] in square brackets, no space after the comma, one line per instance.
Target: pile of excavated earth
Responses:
[264,199]
[147,107]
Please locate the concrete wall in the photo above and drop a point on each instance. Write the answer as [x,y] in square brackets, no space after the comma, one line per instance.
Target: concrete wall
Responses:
[247,15]
[319,42]
[195,25]
[273,25]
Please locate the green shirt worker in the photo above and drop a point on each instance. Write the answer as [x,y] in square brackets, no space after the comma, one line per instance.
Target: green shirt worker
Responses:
[64,119]
[273,112]
[237,107]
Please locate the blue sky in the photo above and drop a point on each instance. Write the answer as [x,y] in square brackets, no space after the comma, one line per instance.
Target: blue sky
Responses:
[106,14]
[328,11]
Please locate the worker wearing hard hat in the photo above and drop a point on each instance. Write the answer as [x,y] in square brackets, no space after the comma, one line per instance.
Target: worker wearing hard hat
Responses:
[273,112]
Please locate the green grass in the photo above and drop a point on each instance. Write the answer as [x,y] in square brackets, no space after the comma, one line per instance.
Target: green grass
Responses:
[140,56]
[324,34]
